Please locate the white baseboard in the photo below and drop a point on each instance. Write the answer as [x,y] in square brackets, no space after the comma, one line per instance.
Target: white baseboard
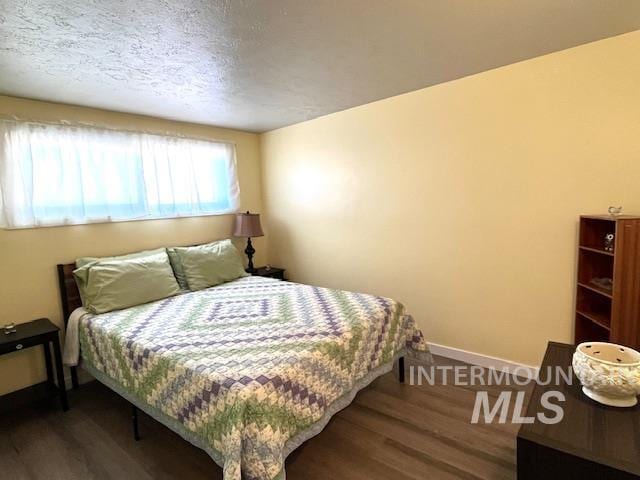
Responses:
[514,368]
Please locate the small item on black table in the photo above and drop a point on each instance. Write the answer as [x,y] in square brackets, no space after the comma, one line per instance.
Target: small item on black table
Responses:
[9,328]
[609,373]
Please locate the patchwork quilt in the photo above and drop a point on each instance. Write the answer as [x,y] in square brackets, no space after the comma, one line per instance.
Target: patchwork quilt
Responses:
[250,369]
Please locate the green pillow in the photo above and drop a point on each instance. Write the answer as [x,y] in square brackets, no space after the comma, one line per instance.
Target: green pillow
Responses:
[178,271]
[81,272]
[210,264]
[117,284]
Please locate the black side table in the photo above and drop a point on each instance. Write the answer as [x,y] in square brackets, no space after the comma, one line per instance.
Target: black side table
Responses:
[271,272]
[591,442]
[31,334]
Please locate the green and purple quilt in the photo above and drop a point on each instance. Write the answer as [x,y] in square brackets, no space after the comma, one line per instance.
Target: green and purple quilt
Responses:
[250,369]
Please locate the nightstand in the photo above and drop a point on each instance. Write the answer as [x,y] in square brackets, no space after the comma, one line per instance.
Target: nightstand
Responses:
[31,334]
[272,272]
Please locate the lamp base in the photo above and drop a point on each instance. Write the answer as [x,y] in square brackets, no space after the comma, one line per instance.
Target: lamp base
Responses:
[250,251]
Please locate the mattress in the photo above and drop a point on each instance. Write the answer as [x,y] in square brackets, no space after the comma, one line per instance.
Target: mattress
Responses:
[250,369]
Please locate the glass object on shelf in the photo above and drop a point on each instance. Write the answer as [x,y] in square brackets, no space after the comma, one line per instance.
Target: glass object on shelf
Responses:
[615,211]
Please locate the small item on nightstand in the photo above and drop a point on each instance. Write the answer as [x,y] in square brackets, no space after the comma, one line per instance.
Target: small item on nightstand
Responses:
[609,239]
[9,328]
[267,267]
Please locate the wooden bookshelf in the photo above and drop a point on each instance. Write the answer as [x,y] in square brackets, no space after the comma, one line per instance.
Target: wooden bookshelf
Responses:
[608,286]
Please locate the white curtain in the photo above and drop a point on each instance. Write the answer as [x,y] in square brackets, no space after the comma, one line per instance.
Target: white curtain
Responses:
[61,175]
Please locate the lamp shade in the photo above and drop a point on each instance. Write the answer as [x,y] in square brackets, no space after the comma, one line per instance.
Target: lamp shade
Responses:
[247,225]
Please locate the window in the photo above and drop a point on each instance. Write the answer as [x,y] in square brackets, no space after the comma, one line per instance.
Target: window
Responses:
[60,175]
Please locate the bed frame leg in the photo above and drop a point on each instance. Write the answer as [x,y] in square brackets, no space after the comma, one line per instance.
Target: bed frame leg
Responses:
[74,378]
[134,420]
[401,369]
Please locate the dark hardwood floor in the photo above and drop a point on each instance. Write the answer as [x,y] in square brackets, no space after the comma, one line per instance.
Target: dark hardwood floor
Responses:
[391,431]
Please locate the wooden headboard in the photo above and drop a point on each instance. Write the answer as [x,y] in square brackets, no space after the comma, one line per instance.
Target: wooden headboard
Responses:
[69,293]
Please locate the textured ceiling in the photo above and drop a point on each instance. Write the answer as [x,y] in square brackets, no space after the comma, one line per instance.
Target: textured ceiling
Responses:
[262,64]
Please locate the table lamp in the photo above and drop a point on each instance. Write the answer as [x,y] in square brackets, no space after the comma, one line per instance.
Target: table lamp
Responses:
[247,226]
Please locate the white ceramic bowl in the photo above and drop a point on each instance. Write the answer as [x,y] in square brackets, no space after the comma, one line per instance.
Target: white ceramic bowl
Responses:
[609,373]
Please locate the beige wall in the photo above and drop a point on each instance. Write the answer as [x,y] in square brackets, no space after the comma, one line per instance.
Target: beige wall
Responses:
[28,258]
[461,200]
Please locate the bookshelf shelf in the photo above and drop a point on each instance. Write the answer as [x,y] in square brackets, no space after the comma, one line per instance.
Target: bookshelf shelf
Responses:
[595,289]
[601,321]
[597,250]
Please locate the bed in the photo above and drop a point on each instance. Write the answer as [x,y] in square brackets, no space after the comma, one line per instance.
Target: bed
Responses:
[247,370]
